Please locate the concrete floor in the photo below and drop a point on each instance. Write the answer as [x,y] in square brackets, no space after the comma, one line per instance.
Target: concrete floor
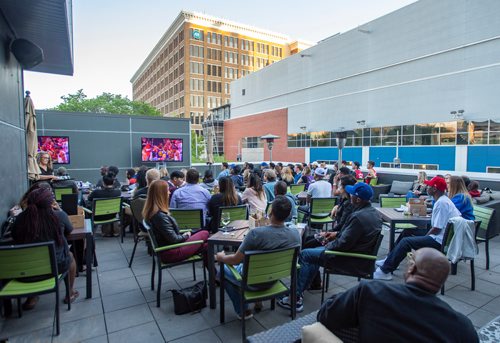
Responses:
[123,307]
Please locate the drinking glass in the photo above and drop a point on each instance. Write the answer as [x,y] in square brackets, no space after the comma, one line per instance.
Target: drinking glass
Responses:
[225,219]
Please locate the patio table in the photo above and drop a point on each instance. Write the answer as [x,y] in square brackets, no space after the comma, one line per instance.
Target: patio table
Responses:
[85,233]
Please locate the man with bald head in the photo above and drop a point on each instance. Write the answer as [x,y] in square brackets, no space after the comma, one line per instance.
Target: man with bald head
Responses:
[409,312]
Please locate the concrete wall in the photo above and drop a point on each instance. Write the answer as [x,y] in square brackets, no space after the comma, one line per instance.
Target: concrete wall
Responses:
[12,134]
[105,139]
[414,65]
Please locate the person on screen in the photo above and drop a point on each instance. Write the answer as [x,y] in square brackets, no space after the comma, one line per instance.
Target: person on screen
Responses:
[45,164]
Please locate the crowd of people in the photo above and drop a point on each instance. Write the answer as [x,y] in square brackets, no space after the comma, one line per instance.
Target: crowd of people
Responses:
[356,224]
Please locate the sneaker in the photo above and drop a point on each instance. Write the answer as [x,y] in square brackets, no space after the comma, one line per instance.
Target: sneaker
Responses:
[380,275]
[380,263]
[248,315]
[285,303]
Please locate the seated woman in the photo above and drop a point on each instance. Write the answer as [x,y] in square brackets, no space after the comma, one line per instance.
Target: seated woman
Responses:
[40,222]
[45,164]
[287,176]
[419,187]
[227,196]
[208,181]
[459,195]
[164,226]
[306,177]
[254,195]
[474,189]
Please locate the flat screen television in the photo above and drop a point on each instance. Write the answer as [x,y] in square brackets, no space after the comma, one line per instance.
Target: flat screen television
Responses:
[56,146]
[161,149]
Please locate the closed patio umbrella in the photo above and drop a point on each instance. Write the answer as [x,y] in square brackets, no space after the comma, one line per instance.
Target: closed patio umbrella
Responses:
[31,137]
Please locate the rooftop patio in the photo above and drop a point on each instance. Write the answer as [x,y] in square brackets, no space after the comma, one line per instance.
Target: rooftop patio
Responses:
[123,308]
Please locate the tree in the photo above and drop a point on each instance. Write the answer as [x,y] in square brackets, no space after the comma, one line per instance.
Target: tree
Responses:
[104,103]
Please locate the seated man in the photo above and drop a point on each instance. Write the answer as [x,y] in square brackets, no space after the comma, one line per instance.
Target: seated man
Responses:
[409,312]
[358,235]
[321,188]
[442,212]
[63,180]
[152,174]
[192,195]
[274,236]
[280,188]
[175,182]
[107,191]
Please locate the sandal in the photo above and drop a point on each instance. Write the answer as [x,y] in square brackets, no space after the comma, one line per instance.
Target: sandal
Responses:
[72,298]
[30,303]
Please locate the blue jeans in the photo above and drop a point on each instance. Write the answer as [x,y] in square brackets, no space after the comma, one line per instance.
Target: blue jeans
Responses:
[310,261]
[410,195]
[400,251]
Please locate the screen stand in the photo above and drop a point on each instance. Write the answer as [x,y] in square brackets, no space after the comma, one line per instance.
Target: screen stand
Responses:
[160,165]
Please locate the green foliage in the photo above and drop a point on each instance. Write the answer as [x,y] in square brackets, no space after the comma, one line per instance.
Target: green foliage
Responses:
[201,157]
[104,103]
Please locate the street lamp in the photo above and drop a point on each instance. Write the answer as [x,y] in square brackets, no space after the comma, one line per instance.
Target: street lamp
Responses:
[270,142]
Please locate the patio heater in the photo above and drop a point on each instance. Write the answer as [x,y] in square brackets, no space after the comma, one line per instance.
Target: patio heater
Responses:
[397,160]
[341,139]
[269,138]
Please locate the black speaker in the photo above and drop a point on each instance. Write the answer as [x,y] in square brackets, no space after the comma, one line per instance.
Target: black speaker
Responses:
[27,53]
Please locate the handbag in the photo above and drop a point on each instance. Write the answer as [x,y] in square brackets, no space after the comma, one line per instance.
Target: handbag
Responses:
[190,299]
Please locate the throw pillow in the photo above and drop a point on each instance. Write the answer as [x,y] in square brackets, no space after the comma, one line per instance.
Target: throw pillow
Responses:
[401,187]
[494,195]
[482,199]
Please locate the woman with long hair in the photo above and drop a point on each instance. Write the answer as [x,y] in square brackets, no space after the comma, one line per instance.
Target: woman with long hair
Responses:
[46,168]
[287,176]
[156,212]
[227,196]
[306,177]
[254,195]
[40,222]
[419,187]
[460,196]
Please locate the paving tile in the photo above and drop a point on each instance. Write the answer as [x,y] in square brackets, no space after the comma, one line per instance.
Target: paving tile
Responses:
[109,256]
[151,295]
[493,306]
[490,276]
[481,317]
[79,330]
[458,305]
[112,265]
[206,336]
[34,320]
[40,336]
[231,332]
[464,294]
[128,317]
[148,332]
[100,339]
[123,300]
[82,309]
[118,286]
[117,274]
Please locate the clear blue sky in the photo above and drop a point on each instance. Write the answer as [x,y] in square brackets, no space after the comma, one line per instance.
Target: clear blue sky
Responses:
[112,38]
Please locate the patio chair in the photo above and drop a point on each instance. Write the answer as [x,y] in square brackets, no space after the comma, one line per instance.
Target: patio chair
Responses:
[262,267]
[354,264]
[188,219]
[395,202]
[319,211]
[447,238]
[106,211]
[18,262]
[156,260]
[58,192]
[136,207]
[486,229]
[297,188]
[239,212]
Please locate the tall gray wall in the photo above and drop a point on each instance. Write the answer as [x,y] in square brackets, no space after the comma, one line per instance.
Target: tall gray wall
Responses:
[12,136]
[108,139]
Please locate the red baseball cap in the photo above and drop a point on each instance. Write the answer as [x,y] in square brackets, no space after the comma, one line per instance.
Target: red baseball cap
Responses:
[437,182]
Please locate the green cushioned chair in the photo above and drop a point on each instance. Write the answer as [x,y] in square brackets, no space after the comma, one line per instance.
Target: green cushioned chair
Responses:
[58,192]
[18,262]
[111,207]
[187,219]
[157,260]
[350,264]
[395,202]
[486,229]
[263,267]
[297,188]
[320,209]
[239,212]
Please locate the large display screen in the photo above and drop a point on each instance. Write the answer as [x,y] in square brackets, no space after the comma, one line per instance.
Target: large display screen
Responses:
[161,149]
[56,146]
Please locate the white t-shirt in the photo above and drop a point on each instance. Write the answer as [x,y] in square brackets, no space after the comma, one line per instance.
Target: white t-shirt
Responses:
[442,212]
[320,189]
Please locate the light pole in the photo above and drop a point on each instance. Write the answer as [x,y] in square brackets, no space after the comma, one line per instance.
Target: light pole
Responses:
[270,142]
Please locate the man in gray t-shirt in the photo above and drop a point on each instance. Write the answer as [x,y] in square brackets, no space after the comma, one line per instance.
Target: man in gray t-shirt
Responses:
[275,236]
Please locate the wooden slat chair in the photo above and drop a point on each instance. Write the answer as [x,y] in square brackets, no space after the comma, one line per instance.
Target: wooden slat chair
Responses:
[239,212]
[486,229]
[395,202]
[58,192]
[297,188]
[447,238]
[188,219]
[365,264]
[157,260]
[18,262]
[262,267]
[320,210]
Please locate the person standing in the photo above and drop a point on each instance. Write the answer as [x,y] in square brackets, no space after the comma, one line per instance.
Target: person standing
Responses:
[45,164]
